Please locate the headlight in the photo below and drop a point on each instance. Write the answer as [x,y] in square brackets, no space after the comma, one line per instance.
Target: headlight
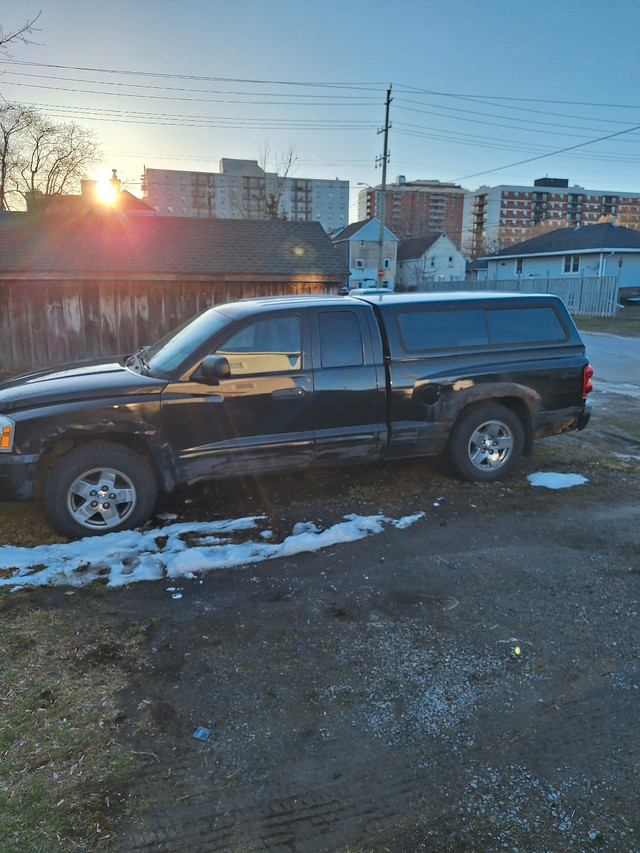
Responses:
[7,430]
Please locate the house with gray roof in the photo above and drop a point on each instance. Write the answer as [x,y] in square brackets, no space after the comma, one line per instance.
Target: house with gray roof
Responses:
[358,246]
[102,282]
[590,252]
[425,260]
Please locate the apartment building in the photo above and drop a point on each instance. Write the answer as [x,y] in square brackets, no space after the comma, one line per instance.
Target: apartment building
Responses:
[242,189]
[503,215]
[417,208]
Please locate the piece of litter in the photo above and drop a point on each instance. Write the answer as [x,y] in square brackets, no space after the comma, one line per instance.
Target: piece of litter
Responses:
[201,733]
[177,595]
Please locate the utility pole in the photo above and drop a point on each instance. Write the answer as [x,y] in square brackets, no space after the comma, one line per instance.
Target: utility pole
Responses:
[383,191]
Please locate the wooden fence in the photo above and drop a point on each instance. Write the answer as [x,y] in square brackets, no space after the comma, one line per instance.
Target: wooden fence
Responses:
[43,323]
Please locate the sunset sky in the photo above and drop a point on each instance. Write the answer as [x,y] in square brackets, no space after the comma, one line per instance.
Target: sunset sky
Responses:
[479,88]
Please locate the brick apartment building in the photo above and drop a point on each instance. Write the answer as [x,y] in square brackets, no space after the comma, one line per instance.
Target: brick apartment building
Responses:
[503,215]
[417,208]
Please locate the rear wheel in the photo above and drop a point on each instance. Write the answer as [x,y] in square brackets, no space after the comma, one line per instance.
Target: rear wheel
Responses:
[99,488]
[486,443]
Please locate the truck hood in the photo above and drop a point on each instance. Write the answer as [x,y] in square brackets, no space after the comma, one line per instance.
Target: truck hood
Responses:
[81,381]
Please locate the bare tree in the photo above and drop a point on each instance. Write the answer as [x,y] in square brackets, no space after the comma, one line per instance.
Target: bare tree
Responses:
[18,35]
[475,247]
[13,121]
[11,118]
[40,158]
[276,169]
[56,156]
[545,227]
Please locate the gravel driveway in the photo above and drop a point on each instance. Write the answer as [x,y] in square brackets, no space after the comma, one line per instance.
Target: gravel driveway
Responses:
[467,684]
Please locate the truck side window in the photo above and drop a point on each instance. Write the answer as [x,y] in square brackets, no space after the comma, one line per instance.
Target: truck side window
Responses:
[265,346]
[340,339]
[524,325]
[426,330]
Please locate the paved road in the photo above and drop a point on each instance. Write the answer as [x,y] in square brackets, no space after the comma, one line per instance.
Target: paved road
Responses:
[614,359]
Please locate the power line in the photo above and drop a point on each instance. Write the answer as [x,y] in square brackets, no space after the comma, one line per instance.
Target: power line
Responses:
[347,101]
[549,154]
[490,98]
[437,110]
[312,94]
[374,87]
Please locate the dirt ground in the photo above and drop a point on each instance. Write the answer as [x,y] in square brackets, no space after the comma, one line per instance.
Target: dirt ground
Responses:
[469,683]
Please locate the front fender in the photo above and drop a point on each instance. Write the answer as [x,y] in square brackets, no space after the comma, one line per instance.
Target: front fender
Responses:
[46,434]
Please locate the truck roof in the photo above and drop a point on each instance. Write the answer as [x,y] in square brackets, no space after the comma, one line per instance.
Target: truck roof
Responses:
[379,299]
[293,301]
[385,296]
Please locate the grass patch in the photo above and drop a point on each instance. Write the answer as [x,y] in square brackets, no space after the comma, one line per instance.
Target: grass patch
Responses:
[626,322]
[63,774]
[23,523]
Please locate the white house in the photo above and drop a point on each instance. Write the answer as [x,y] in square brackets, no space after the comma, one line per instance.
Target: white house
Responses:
[602,251]
[358,245]
[425,260]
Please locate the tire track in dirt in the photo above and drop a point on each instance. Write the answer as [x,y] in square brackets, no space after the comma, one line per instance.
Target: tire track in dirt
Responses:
[313,820]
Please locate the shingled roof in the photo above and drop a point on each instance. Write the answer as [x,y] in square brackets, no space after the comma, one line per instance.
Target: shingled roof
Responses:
[588,238]
[415,247]
[110,243]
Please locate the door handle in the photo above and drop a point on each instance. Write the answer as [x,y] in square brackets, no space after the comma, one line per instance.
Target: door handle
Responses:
[282,393]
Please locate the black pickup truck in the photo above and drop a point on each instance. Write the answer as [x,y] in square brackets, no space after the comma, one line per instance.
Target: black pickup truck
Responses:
[280,383]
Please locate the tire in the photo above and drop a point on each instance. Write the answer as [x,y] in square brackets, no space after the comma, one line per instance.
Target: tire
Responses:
[99,488]
[486,443]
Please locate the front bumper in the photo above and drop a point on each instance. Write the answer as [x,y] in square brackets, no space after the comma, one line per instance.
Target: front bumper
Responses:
[17,475]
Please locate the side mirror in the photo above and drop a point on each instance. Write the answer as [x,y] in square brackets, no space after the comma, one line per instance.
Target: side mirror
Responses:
[212,369]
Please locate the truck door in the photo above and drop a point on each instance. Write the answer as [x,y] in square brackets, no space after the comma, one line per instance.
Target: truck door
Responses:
[258,418]
[349,388]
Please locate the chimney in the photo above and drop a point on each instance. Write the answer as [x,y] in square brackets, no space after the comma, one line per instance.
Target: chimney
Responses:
[115,182]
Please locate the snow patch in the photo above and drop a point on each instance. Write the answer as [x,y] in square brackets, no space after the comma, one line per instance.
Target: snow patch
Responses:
[174,551]
[556,481]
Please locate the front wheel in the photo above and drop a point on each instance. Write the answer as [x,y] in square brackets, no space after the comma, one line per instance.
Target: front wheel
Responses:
[99,488]
[486,443]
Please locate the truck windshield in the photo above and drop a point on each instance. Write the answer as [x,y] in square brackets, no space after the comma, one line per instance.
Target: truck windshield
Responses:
[163,357]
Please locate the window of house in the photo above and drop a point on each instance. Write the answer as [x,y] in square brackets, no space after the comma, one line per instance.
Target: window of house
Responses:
[571,263]
[518,266]
[358,263]
[386,263]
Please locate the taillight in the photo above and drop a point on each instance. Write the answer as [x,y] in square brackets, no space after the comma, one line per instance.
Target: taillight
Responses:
[587,373]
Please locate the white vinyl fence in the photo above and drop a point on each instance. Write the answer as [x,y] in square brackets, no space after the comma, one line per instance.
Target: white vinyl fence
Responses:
[595,296]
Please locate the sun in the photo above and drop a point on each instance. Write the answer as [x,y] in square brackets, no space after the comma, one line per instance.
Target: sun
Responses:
[106,192]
